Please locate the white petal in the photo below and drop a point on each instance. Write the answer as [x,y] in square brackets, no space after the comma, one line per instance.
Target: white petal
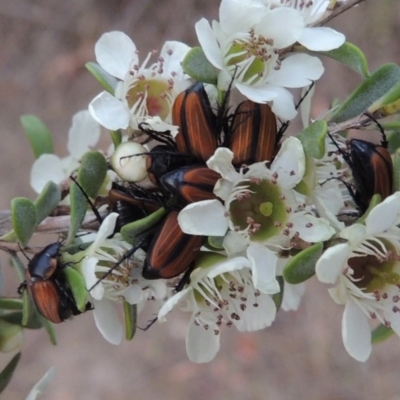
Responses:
[356,332]
[290,163]
[339,294]
[89,274]
[297,71]
[115,53]
[321,39]
[48,167]
[83,134]
[107,321]
[332,262]
[256,318]
[171,303]
[201,345]
[205,218]
[228,265]
[283,105]
[312,229]
[292,295]
[234,243]
[133,294]
[109,111]
[40,387]
[221,162]
[258,94]
[263,265]
[173,53]
[239,16]
[384,215]
[223,188]
[208,43]
[283,34]
[106,229]
[355,234]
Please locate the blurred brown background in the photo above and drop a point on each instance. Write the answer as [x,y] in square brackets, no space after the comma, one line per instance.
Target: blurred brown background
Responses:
[43,50]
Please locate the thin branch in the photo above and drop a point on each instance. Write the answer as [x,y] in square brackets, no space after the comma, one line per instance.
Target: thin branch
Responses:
[358,122]
[341,8]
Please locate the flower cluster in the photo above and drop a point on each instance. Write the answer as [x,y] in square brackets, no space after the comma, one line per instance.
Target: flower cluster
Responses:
[212,209]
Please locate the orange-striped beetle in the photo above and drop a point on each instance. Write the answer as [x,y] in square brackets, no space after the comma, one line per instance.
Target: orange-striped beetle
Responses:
[372,169]
[48,288]
[253,133]
[197,124]
[171,251]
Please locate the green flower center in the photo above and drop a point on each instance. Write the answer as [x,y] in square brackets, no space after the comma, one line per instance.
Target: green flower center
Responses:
[252,56]
[374,274]
[151,94]
[260,209]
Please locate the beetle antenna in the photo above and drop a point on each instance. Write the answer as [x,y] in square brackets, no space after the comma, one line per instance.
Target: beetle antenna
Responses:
[127,255]
[94,209]
[151,323]
[162,137]
[285,125]
[23,252]
[384,141]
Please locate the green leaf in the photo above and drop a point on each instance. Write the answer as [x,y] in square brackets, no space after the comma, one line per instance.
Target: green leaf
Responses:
[78,288]
[130,312]
[313,139]
[278,297]
[49,329]
[349,55]
[116,137]
[38,135]
[371,90]
[136,231]
[11,338]
[302,266]
[11,304]
[23,218]
[92,172]
[196,65]
[381,333]
[91,175]
[47,200]
[108,82]
[7,373]
[389,103]
[396,172]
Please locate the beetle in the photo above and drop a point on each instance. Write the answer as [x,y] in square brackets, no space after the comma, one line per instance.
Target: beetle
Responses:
[253,133]
[47,286]
[372,169]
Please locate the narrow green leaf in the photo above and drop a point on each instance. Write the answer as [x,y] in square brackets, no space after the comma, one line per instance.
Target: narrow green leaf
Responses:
[38,135]
[197,66]
[10,304]
[381,333]
[23,218]
[7,373]
[130,312]
[50,330]
[47,200]
[78,288]
[278,297]
[92,172]
[116,137]
[136,231]
[108,82]
[91,175]
[349,55]
[389,103]
[371,90]
[313,139]
[302,266]
[396,172]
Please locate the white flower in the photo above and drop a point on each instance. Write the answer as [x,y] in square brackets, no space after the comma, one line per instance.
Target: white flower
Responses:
[246,45]
[367,271]
[313,38]
[124,282]
[260,207]
[82,136]
[221,294]
[141,91]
